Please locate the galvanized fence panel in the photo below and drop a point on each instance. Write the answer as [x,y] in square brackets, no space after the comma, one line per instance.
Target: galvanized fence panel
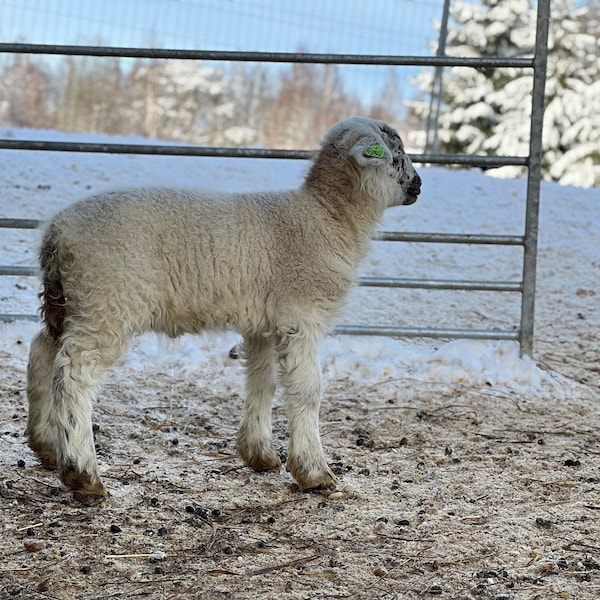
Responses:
[525,287]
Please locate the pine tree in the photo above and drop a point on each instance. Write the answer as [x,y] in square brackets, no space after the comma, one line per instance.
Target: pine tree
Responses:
[487,111]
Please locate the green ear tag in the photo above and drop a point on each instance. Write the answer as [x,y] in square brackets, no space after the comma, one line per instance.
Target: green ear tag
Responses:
[375,151]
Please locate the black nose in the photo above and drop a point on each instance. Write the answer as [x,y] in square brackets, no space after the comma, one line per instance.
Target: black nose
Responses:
[415,185]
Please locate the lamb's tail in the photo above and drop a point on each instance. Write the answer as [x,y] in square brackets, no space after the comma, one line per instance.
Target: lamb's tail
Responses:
[52,296]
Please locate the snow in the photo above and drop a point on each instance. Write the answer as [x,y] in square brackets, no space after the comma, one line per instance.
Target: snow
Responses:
[37,184]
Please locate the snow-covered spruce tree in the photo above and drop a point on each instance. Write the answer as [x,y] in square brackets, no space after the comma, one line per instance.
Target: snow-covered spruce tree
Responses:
[487,111]
[187,101]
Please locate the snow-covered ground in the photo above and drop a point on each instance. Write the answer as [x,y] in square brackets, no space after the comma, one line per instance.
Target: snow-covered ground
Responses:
[37,184]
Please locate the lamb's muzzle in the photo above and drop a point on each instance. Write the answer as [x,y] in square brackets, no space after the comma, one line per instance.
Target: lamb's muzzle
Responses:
[275,267]
[414,189]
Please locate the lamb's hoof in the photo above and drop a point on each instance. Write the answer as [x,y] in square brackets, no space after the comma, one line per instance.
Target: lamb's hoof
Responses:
[311,478]
[89,497]
[259,457]
[86,489]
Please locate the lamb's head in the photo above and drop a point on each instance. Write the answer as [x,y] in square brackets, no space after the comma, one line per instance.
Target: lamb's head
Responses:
[377,153]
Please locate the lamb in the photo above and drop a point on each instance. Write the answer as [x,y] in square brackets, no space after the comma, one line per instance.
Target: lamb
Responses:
[274,266]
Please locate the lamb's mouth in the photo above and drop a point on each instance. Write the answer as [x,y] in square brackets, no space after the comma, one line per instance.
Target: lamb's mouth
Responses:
[410,199]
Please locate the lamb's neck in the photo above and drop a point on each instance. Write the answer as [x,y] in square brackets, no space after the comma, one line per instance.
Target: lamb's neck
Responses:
[347,206]
[346,229]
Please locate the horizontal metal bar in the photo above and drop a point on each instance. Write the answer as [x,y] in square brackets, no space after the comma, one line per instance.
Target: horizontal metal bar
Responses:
[187,150]
[7,317]
[273,57]
[167,150]
[389,282]
[442,284]
[448,238]
[425,332]
[386,331]
[470,160]
[379,236]
[20,223]
[380,330]
[18,271]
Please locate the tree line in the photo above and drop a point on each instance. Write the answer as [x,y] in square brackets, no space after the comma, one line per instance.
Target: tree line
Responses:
[186,101]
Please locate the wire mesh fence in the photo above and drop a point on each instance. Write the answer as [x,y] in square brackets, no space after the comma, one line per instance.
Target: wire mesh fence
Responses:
[323,90]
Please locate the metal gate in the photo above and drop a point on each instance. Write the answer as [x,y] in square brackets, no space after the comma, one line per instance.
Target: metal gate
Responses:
[528,241]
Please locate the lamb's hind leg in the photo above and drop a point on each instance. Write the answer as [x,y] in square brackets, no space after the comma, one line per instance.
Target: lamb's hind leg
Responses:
[301,378]
[254,440]
[40,370]
[78,368]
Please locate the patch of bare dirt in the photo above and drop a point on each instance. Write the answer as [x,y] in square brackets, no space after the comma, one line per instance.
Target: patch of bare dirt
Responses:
[446,492]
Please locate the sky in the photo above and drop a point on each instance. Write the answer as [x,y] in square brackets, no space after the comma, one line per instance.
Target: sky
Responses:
[335,26]
[345,26]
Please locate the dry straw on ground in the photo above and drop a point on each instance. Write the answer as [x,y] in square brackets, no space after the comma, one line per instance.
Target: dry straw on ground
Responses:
[449,492]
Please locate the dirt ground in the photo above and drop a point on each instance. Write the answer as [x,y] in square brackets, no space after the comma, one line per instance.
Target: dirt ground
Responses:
[446,492]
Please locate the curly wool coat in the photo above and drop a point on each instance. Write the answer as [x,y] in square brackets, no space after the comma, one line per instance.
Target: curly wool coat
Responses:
[274,266]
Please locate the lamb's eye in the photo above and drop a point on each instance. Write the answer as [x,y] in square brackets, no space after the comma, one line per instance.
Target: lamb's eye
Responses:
[396,161]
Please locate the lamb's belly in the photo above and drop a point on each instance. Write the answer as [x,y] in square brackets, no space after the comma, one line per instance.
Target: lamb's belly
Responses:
[220,314]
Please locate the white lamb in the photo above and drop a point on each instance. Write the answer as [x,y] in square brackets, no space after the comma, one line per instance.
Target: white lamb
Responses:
[275,267]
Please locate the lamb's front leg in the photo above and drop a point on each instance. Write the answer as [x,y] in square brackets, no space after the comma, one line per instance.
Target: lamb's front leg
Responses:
[301,378]
[255,440]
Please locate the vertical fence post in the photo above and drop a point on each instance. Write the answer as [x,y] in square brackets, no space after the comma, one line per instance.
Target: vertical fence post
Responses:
[436,91]
[533,178]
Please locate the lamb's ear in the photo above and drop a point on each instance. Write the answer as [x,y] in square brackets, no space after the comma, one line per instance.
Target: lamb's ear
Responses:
[371,151]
